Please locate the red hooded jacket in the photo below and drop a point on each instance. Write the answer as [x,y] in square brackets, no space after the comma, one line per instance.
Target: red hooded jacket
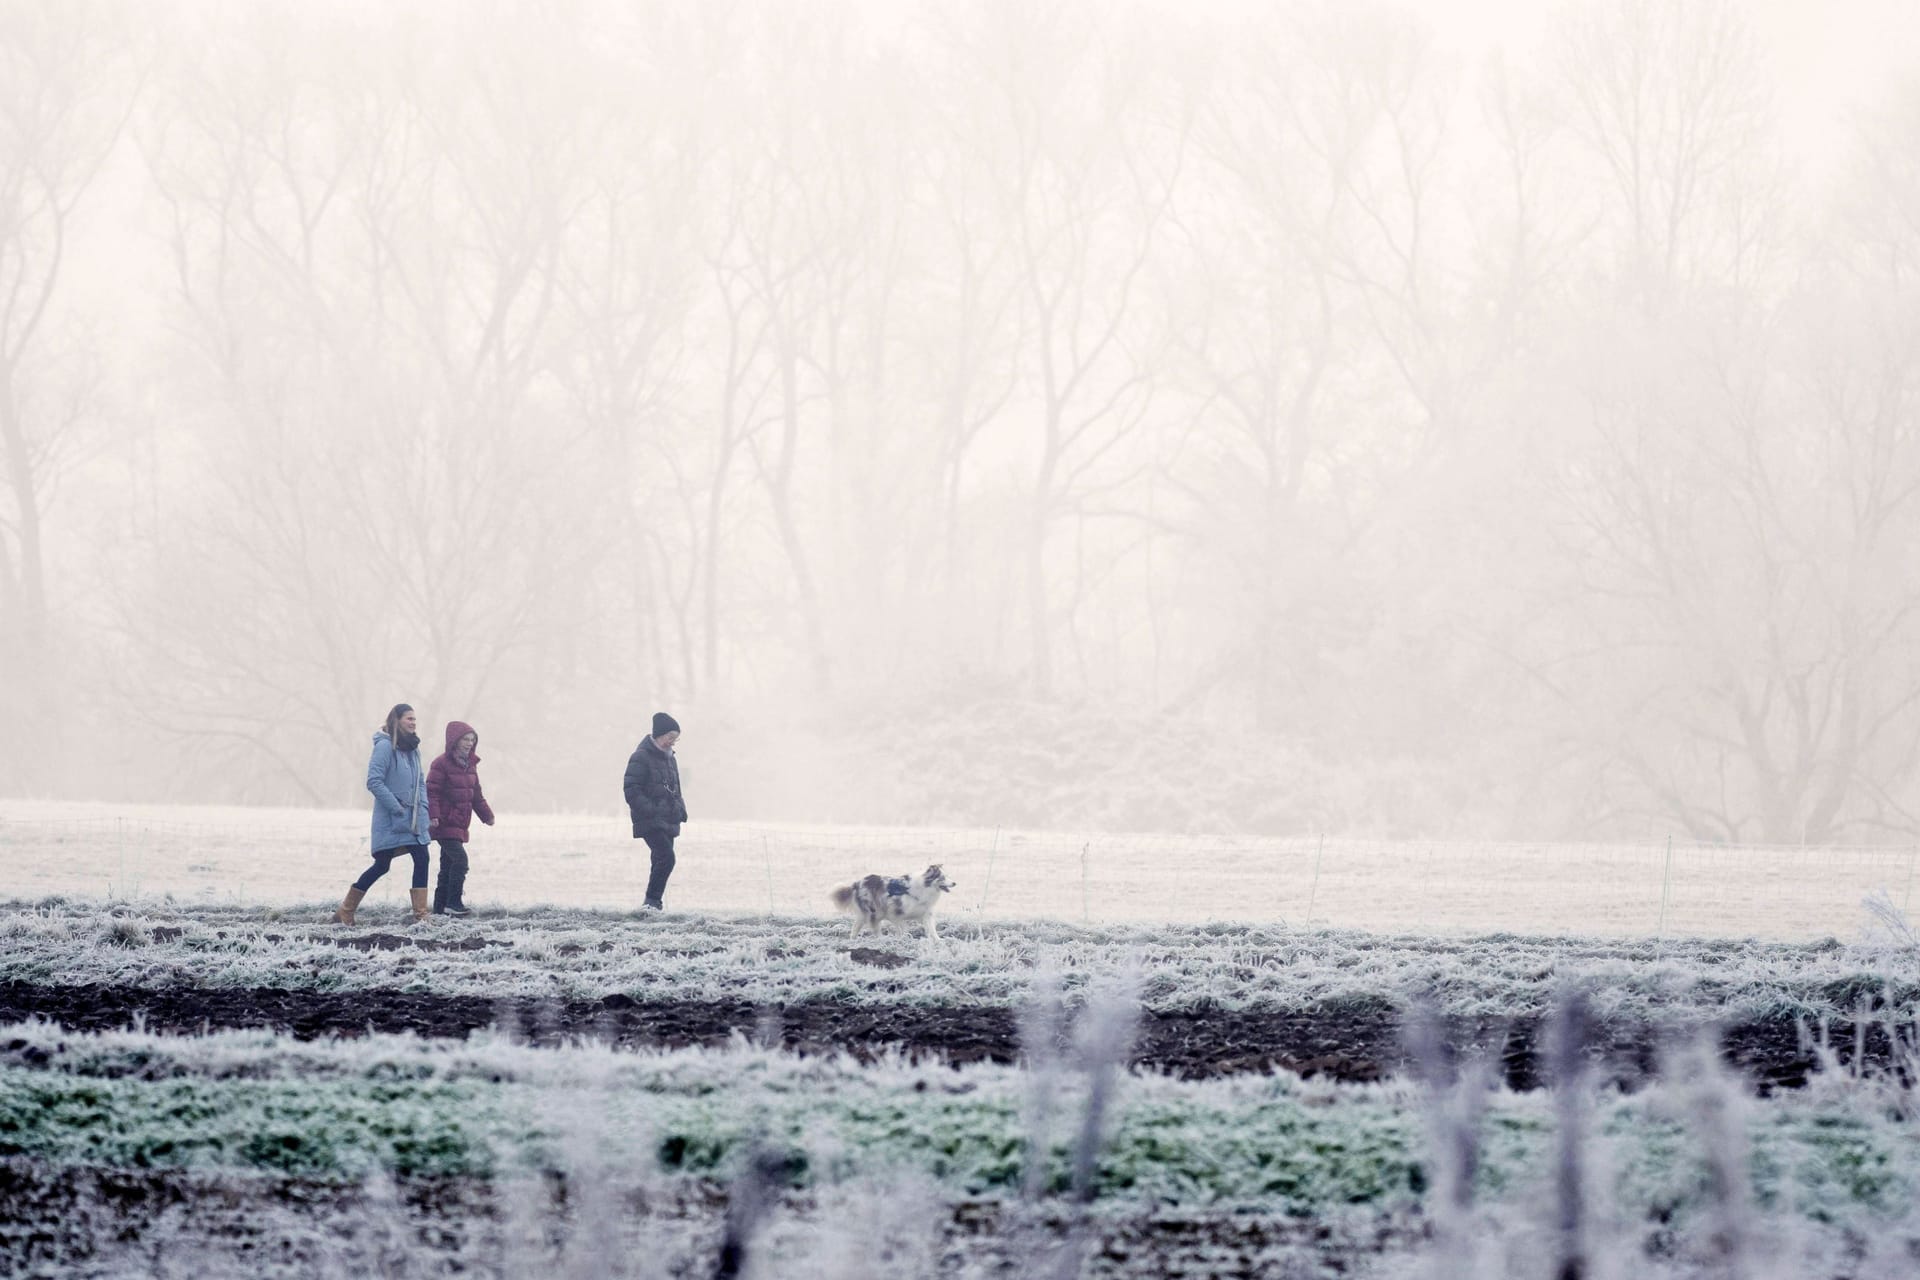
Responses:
[453,789]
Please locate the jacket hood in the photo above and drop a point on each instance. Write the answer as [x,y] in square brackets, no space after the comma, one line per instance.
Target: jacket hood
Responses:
[458,729]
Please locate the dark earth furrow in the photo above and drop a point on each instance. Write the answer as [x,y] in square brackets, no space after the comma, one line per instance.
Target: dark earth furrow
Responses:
[99,1223]
[1354,1042]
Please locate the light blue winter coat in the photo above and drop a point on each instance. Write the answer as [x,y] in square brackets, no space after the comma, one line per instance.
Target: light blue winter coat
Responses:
[399,787]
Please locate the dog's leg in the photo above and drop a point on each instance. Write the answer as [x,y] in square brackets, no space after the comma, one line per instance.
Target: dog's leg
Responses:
[933,935]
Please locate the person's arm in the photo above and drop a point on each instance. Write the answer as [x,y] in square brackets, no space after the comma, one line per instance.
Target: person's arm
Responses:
[632,785]
[377,777]
[436,794]
[480,805]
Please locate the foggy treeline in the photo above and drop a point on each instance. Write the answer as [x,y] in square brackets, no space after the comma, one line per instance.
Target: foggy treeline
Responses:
[1268,418]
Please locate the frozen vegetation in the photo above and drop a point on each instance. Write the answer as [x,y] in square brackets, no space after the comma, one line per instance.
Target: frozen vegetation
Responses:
[126,1152]
[1827,1174]
[557,953]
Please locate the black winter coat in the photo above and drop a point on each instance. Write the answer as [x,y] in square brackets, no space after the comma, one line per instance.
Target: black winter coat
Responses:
[652,786]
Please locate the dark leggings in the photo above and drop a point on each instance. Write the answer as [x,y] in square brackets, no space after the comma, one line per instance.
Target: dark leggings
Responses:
[660,845]
[383,858]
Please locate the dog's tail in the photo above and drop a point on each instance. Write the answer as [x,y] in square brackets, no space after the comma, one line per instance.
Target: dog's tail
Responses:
[843,897]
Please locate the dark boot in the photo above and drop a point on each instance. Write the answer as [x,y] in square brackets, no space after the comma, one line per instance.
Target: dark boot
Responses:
[440,883]
[456,880]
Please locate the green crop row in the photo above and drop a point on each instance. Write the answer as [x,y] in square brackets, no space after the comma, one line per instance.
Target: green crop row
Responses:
[1274,1144]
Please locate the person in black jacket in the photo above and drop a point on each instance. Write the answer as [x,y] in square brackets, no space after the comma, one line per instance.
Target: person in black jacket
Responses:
[654,802]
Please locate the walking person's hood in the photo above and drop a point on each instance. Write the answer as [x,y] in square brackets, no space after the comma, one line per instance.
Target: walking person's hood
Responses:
[456,730]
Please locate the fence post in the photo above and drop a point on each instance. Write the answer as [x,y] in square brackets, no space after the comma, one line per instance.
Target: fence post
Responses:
[1426,899]
[1666,889]
[988,883]
[1085,914]
[1313,890]
[766,857]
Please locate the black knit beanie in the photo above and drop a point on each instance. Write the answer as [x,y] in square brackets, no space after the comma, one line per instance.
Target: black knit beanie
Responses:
[664,724]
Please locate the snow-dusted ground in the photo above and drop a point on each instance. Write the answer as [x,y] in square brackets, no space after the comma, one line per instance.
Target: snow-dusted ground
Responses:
[566,953]
[127,1153]
[276,856]
[1826,1178]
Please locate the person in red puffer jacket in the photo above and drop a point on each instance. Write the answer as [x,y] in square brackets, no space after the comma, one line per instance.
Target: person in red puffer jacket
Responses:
[453,798]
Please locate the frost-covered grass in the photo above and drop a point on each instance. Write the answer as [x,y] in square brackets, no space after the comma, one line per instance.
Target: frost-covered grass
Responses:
[1686,1176]
[277,856]
[1822,1181]
[336,1109]
[1835,1161]
[560,953]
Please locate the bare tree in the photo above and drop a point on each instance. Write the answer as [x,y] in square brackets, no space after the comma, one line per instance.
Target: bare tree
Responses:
[795,253]
[371,254]
[628,288]
[971,326]
[1518,433]
[1086,177]
[1744,519]
[1674,113]
[1716,636]
[1262,327]
[1339,358]
[66,89]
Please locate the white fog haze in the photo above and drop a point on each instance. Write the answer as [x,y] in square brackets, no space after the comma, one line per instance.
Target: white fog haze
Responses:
[1458,420]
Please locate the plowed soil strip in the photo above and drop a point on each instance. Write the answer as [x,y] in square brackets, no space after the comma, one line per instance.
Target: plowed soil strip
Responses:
[290,1226]
[1347,1044]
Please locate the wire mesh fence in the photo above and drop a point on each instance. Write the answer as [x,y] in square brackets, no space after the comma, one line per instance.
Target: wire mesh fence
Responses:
[1629,890]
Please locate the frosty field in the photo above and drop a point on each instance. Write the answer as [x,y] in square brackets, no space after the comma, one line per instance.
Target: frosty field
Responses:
[1162,1069]
[411,1156]
[226,1089]
[276,856]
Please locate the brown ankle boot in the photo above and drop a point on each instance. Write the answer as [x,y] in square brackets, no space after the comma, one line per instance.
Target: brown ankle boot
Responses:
[419,897]
[345,914]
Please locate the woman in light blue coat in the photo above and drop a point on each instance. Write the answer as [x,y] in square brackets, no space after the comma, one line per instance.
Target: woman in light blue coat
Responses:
[399,786]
